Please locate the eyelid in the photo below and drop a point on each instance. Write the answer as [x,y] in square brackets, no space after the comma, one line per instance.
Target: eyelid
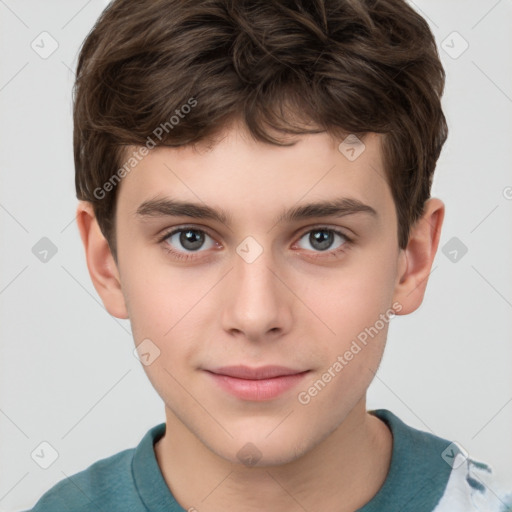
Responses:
[345,232]
[176,229]
[335,229]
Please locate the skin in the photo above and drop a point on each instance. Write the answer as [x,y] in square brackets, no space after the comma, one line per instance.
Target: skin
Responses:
[294,305]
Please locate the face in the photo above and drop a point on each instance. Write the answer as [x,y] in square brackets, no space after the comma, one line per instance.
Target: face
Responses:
[265,282]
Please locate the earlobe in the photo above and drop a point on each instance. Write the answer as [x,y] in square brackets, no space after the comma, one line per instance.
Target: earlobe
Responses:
[100,262]
[416,259]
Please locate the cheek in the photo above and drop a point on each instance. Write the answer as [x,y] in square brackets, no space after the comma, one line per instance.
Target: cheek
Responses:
[167,306]
[158,296]
[355,297]
[164,309]
[357,313]
[151,311]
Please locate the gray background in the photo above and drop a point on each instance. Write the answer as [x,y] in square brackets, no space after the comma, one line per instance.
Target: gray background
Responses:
[67,372]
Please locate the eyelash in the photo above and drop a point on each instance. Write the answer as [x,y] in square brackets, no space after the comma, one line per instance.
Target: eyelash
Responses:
[320,254]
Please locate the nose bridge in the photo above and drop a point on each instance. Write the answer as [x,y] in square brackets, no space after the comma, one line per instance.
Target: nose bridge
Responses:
[257,301]
[255,276]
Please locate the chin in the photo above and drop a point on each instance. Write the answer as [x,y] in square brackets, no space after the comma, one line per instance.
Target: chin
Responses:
[258,449]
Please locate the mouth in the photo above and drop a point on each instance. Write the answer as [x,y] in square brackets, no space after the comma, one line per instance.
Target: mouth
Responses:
[256,384]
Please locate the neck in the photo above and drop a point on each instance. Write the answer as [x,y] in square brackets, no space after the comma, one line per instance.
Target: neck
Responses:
[341,473]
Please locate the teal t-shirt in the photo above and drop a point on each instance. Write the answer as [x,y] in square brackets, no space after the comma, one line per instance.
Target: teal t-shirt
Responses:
[426,474]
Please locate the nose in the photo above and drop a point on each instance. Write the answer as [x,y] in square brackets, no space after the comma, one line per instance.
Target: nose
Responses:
[257,304]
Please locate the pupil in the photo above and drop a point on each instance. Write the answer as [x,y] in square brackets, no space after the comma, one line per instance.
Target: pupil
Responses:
[321,240]
[191,240]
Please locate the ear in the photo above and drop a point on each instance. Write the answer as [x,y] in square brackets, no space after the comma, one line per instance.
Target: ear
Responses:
[100,262]
[416,259]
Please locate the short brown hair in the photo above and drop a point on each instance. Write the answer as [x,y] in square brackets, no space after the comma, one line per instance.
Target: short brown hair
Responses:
[342,66]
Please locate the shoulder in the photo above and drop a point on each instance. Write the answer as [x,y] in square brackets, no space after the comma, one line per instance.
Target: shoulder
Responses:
[105,485]
[431,473]
[473,487]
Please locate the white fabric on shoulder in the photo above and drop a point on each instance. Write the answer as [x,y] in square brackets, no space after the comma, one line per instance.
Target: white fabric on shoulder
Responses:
[472,487]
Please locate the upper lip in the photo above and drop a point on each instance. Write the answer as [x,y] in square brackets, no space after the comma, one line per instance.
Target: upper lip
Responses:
[263,372]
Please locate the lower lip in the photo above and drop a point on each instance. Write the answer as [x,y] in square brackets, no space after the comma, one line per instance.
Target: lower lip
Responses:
[257,390]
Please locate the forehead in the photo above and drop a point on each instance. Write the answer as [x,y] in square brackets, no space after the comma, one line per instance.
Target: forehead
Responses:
[238,174]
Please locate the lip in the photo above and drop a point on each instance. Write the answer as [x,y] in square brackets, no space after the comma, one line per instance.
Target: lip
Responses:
[256,384]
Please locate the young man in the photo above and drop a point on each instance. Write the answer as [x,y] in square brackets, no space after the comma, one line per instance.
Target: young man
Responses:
[255,179]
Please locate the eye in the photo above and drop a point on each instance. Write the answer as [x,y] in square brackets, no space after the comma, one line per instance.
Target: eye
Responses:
[322,238]
[185,240]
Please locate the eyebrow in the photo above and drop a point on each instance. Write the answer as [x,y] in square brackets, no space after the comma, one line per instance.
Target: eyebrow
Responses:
[168,207]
